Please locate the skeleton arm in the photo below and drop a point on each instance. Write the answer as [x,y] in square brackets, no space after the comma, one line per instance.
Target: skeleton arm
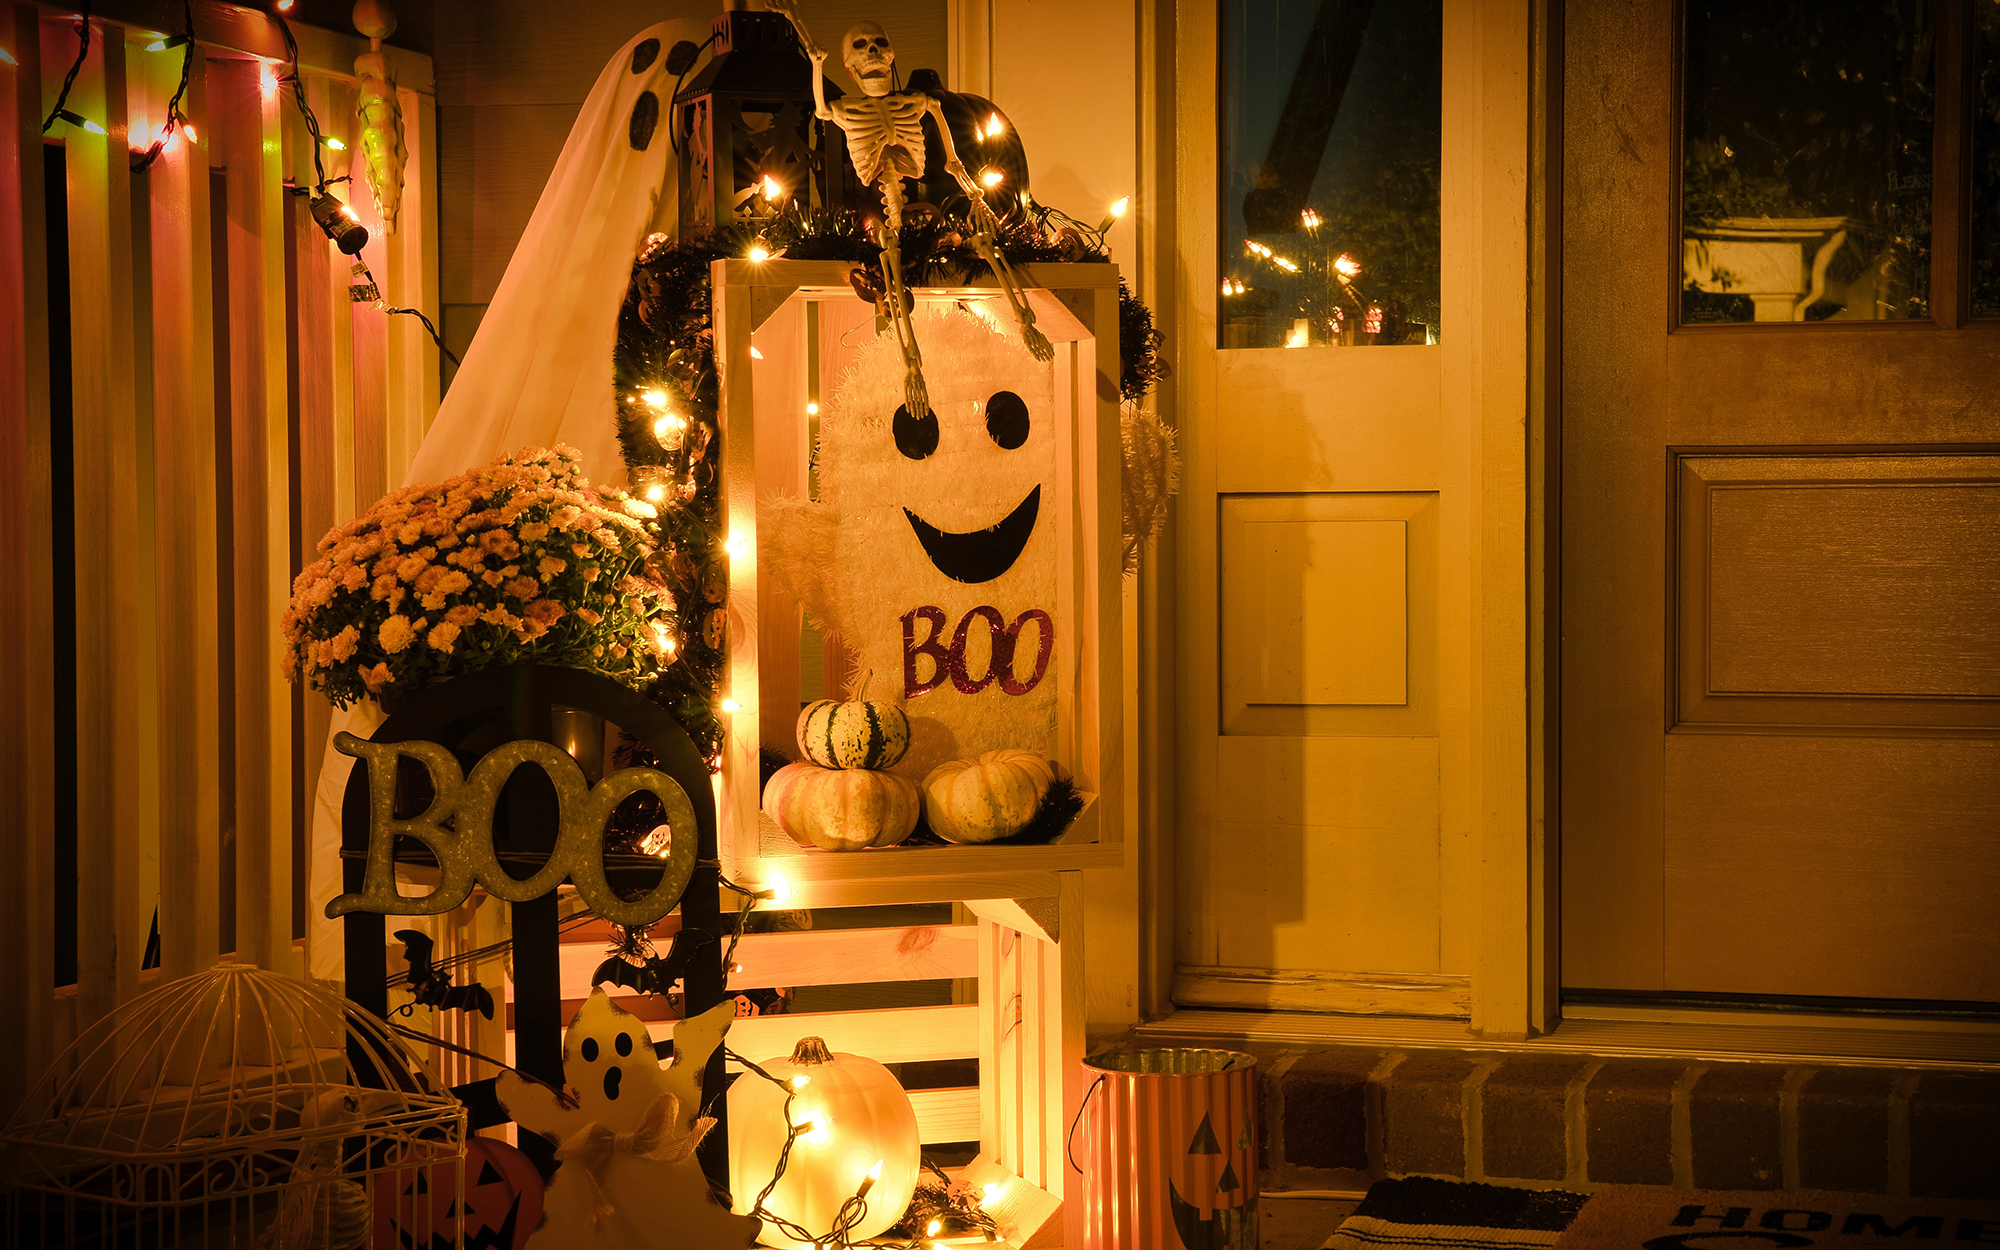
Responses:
[816,53]
[982,216]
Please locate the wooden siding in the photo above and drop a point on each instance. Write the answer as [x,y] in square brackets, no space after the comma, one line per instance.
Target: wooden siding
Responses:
[180,765]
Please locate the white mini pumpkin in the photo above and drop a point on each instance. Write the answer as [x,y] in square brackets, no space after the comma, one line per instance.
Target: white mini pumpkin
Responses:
[986,798]
[841,809]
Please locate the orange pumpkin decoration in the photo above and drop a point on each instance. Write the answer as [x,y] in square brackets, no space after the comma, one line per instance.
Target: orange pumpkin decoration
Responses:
[420,1207]
[988,798]
[841,809]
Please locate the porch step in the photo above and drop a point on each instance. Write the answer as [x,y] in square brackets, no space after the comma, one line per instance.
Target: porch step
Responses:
[1337,1117]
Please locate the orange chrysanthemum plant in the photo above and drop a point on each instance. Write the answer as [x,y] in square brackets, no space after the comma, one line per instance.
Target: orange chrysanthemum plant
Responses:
[519,561]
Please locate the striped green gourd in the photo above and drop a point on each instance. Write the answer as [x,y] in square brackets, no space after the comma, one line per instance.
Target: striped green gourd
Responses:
[854,733]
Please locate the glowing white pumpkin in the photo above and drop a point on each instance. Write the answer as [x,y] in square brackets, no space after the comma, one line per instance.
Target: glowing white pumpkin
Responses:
[860,1118]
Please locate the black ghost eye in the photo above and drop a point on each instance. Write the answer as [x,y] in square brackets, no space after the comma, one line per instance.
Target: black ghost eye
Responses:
[645,116]
[590,1050]
[916,437]
[624,1044]
[1007,419]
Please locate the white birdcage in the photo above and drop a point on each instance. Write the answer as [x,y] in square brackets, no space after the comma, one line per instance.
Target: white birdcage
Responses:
[236,1107]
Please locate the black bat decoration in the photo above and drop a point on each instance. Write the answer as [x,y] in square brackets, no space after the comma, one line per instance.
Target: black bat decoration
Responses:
[656,975]
[433,988]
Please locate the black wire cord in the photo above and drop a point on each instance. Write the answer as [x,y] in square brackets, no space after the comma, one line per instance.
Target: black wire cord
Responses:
[298,84]
[174,115]
[69,79]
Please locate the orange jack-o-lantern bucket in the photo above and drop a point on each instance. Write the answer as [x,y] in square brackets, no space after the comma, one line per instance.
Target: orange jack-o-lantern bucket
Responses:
[1167,1144]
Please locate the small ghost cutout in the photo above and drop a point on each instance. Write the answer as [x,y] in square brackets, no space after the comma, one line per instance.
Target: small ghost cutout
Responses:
[613,1197]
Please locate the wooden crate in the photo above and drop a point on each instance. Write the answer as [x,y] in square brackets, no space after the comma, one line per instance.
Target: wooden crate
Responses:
[763,306]
[1026,1029]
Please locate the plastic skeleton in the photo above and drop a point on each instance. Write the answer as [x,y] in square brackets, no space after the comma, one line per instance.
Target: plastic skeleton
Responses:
[885,140]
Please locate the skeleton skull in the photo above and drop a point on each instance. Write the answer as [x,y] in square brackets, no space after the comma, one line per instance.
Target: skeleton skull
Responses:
[865,50]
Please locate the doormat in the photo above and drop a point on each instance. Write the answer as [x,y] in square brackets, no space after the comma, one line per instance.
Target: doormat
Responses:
[1428,1214]
[1635,1217]
[1417,1211]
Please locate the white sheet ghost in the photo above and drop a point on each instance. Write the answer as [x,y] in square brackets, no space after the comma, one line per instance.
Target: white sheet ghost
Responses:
[539,369]
[629,1179]
[931,551]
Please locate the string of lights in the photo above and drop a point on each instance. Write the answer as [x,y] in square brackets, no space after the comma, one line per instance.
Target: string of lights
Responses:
[298,85]
[338,220]
[175,118]
[62,112]
[936,1207]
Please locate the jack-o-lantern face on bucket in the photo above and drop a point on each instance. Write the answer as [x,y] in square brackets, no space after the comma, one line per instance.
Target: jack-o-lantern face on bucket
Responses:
[421,1208]
[1216,1192]
[933,543]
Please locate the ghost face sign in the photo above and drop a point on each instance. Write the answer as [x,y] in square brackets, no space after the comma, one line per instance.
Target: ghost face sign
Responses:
[939,566]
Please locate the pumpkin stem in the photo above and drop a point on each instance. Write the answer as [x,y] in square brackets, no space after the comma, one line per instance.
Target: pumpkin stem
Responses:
[861,691]
[811,1050]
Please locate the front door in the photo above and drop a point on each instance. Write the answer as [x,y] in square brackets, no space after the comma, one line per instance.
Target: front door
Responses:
[1780,537]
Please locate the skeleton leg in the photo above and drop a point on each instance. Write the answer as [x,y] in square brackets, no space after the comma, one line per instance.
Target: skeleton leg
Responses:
[1033,339]
[916,395]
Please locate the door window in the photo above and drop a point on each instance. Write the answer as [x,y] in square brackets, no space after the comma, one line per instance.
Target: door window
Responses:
[1806,160]
[1986,161]
[1329,163]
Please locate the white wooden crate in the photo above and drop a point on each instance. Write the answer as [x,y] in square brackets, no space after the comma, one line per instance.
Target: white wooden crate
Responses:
[1027,1028]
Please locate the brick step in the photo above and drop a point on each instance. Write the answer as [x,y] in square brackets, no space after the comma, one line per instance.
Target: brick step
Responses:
[1336,1118]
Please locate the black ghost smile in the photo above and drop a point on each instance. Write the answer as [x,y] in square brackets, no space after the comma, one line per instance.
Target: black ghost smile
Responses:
[984,554]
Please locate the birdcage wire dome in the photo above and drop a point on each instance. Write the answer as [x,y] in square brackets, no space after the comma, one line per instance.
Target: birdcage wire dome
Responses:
[235,1106]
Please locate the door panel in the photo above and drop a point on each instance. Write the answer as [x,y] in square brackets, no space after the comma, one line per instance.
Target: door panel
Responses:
[1839,590]
[1781,550]
[1779,878]
[1329,614]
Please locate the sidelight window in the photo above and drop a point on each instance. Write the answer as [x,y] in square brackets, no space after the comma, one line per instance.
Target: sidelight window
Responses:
[1329,168]
[1986,161]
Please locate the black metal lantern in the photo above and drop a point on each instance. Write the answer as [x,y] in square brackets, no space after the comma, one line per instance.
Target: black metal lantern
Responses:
[748,140]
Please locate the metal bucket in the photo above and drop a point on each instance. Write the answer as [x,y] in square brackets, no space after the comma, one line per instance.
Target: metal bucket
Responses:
[1168,1150]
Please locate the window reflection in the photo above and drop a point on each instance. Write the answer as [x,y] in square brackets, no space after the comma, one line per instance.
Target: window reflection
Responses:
[1986,161]
[1330,137]
[1806,160]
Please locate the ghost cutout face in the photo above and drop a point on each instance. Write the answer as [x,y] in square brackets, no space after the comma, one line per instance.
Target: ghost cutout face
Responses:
[932,549]
[973,556]
[614,1077]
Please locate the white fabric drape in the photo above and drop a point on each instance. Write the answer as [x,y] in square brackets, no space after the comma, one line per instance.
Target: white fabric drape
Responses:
[539,369]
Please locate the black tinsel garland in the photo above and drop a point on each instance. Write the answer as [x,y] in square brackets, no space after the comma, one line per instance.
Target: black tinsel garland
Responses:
[666,351]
